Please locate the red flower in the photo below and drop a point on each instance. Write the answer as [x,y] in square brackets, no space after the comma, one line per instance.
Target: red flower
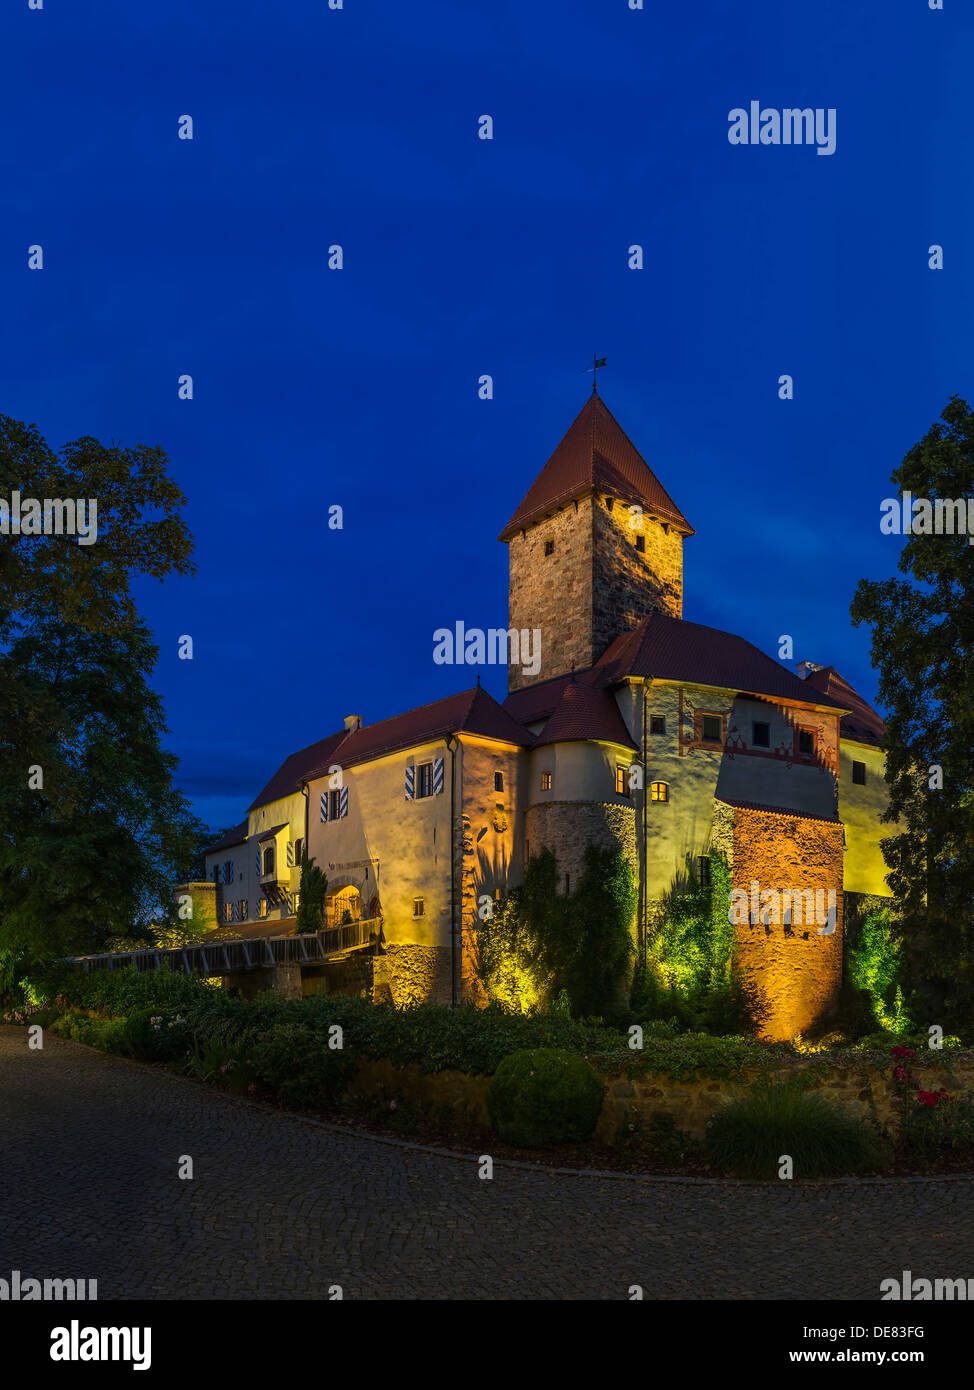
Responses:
[928,1097]
[902,1051]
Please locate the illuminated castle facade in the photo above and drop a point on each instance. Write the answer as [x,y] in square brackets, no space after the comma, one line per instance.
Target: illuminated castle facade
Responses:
[640,731]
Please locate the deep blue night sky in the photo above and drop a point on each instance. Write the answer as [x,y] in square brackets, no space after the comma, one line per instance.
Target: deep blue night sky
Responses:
[463,257]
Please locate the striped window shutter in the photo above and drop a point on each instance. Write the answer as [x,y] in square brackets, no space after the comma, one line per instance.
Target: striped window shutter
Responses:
[290,854]
[437,776]
[343,802]
[410,774]
[290,903]
[229,871]
[245,912]
[324,806]
[257,860]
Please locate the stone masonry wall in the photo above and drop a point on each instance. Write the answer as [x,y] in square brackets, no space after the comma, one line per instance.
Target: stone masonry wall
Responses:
[553,592]
[796,970]
[594,586]
[629,583]
[567,827]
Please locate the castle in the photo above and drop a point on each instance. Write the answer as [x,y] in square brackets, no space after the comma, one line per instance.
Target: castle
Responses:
[638,730]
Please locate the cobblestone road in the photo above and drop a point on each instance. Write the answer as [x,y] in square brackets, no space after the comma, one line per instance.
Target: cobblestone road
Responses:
[278,1208]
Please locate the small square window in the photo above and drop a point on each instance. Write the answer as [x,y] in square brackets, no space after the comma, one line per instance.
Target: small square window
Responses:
[498,781]
[760,735]
[546,781]
[641,543]
[657,725]
[859,774]
[712,728]
[419,907]
[806,741]
[549,547]
[659,791]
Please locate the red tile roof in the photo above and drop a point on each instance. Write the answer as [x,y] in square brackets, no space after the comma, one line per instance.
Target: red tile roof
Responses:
[595,453]
[472,711]
[863,725]
[236,836]
[668,648]
[535,702]
[586,711]
[778,810]
[288,777]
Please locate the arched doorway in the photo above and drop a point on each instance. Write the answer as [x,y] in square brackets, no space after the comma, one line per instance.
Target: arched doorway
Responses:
[344,905]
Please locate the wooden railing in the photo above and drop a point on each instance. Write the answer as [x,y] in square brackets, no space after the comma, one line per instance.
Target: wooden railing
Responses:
[257,953]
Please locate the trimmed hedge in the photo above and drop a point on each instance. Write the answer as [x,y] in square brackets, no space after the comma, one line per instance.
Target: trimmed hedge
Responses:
[544,1096]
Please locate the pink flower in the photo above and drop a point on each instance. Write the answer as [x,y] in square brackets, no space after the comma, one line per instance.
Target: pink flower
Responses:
[251,1088]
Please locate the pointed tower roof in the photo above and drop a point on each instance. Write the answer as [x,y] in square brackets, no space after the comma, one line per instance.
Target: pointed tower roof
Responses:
[595,454]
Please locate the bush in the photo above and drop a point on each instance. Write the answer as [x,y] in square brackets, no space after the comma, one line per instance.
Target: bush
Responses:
[544,1096]
[749,1136]
[298,1065]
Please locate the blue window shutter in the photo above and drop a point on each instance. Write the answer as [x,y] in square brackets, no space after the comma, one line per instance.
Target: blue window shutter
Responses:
[437,776]
[257,858]
[324,806]
[343,802]
[410,774]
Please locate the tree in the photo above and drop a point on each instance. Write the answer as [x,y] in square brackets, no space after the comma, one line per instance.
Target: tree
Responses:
[92,829]
[313,894]
[923,649]
[139,530]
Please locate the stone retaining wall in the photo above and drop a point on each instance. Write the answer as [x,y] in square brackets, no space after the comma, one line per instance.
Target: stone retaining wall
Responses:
[860,1084]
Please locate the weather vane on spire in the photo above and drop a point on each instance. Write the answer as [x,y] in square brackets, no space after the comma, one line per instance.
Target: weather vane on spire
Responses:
[597,362]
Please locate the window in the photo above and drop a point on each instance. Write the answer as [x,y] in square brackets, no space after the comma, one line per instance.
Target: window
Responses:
[242,909]
[608,503]
[228,871]
[760,735]
[498,781]
[546,781]
[657,725]
[622,785]
[806,741]
[549,547]
[298,850]
[424,780]
[641,543]
[659,791]
[419,907]
[334,804]
[261,909]
[269,858]
[228,912]
[859,774]
[712,728]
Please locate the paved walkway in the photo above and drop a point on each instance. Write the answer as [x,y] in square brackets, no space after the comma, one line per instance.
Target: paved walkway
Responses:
[278,1208]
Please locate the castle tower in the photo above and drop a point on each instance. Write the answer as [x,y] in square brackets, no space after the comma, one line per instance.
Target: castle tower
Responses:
[595,545]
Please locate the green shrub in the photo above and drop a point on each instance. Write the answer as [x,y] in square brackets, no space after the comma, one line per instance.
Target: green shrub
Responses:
[544,1096]
[297,1063]
[749,1136]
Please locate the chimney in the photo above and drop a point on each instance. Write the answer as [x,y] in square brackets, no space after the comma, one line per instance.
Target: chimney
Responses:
[805,669]
[353,722]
